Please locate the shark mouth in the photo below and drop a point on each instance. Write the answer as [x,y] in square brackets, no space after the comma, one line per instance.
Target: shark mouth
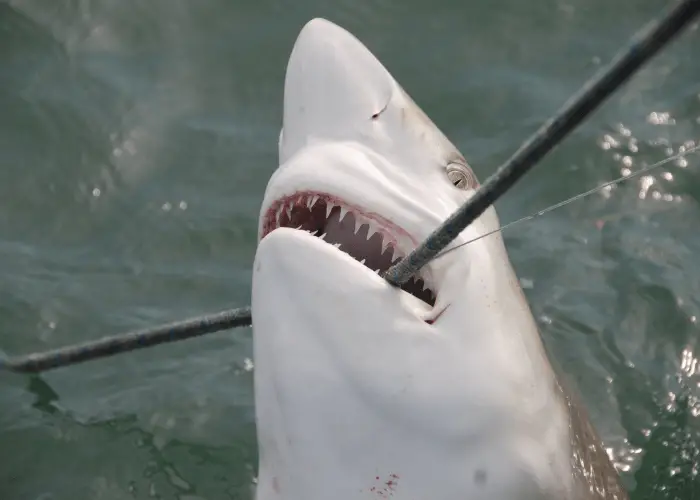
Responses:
[367,237]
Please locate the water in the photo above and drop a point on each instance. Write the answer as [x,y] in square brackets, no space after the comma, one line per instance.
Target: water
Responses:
[136,140]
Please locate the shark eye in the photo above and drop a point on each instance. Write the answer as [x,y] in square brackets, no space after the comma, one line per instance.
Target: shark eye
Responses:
[460,176]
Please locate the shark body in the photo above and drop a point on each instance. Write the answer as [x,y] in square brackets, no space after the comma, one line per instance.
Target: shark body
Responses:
[441,390]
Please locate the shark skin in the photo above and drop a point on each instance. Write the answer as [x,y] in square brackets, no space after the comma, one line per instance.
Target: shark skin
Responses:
[441,390]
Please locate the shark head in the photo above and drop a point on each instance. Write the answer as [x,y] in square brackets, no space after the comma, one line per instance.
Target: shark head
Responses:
[437,390]
[362,166]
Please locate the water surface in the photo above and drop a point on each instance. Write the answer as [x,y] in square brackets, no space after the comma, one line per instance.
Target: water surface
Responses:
[136,140]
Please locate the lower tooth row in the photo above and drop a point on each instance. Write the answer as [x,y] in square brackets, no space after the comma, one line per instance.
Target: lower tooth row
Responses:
[394,258]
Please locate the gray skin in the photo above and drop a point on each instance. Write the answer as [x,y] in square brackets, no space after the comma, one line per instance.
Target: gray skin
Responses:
[595,475]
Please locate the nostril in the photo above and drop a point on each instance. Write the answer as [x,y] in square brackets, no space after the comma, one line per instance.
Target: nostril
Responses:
[376,115]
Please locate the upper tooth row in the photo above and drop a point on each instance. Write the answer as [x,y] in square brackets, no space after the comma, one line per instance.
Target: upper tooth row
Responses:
[395,254]
[373,227]
[395,257]
[311,201]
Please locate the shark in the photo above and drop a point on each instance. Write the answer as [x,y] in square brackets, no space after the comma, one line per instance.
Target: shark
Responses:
[441,389]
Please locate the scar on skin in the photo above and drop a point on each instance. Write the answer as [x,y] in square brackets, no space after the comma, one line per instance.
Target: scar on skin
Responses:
[480,476]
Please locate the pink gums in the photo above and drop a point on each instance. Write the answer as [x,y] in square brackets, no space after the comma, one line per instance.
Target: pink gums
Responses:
[388,228]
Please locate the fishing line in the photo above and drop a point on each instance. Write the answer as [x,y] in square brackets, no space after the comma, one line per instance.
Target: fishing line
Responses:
[643,46]
[575,198]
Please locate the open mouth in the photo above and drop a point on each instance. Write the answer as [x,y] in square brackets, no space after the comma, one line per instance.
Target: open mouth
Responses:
[367,237]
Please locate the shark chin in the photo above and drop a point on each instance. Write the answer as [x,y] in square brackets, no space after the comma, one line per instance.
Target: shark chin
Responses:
[439,390]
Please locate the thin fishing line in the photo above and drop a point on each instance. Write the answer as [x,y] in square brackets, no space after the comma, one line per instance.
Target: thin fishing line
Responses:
[575,198]
[643,46]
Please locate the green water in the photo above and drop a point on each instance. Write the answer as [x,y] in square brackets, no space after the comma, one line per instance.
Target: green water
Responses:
[136,140]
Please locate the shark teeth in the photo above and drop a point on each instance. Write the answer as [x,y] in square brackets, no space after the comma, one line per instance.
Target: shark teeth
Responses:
[385,244]
[278,213]
[377,247]
[373,228]
[358,224]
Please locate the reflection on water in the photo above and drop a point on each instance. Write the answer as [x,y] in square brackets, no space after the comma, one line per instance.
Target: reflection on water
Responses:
[136,140]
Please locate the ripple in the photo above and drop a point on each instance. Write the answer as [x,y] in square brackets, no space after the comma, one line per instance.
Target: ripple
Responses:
[632,153]
[159,120]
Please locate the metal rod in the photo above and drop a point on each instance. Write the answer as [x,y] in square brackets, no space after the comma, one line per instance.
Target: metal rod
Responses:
[109,346]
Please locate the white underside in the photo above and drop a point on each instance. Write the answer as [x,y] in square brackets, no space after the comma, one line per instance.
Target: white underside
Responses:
[366,391]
